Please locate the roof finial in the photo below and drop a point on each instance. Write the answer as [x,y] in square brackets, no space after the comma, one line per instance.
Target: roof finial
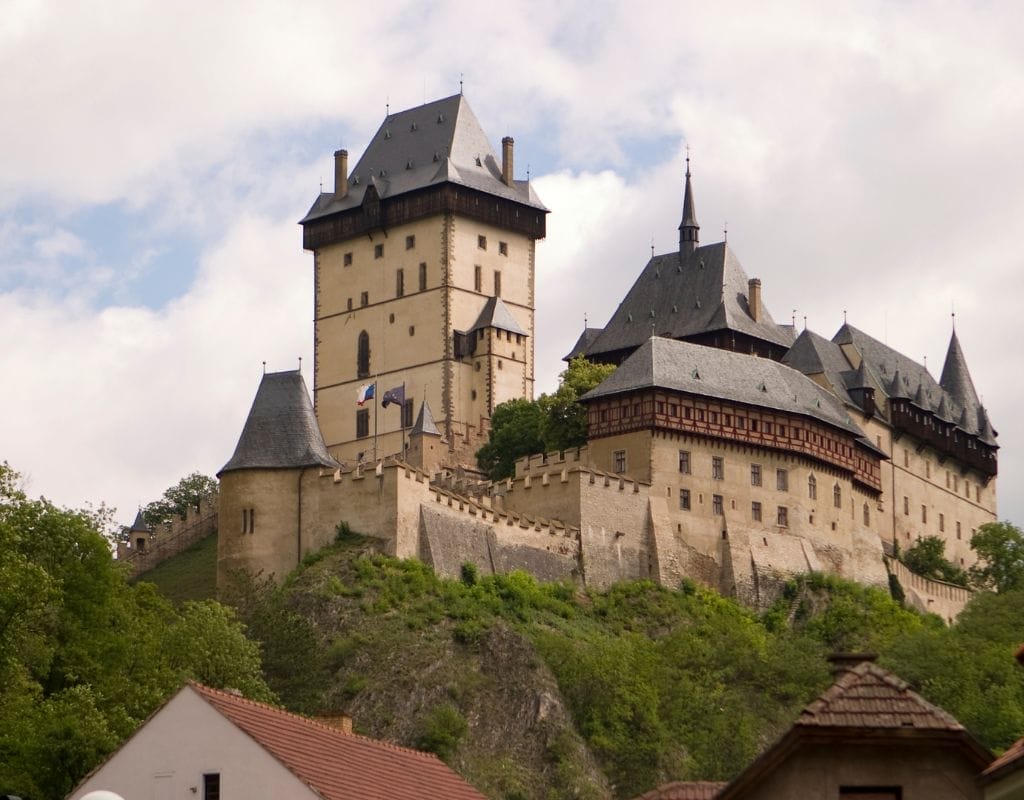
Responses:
[460,83]
[264,367]
[689,230]
[584,320]
[793,319]
[300,363]
[952,313]
[844,316]
[725,232]
[321,184]
[805,322]
[652,245]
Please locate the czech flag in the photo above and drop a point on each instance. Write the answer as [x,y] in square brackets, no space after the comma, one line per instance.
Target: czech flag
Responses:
[365,393]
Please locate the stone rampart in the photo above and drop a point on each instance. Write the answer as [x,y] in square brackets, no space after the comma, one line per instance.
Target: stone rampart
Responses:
[937,597]
[171,538]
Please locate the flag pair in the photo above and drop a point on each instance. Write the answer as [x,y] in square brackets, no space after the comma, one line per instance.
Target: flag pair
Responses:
[369,391]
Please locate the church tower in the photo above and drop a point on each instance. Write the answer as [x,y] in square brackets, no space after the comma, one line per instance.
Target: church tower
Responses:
[424,259]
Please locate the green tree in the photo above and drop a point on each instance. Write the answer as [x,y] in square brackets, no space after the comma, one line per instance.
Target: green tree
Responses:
[516,430]
[178,499]
[927,557]
[1000,549]
[565,423]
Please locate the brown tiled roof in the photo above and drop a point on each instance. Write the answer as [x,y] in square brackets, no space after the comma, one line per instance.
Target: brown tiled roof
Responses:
[684,790]
[868,696]
[1010,761]
[338,765]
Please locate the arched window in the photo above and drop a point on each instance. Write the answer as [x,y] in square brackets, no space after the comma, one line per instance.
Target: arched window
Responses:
[363,355]
[812,487]
[837,496]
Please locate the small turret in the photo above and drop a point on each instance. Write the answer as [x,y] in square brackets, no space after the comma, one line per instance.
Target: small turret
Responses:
[689,230]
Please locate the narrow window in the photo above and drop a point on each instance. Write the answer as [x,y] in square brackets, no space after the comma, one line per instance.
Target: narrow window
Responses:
[412,330]
[407,413]
[350,304]
[781,480]
[755,511]
[718,468]
[211,786]
[837,496]
[684,499]
[782,517]
[684,462]
[906,457]
[503,248]
[363,355]
[942,523]
[716,505]
[347,259]
[755,474]
[497,283]
[478,278]
[927,469]
[906,506]
[245,522]
[400,283]
[867,515]
[924,513]
[362,423]
[481,242]
[364,298]
[378,251]
[423,277]
[619,461]
[410,242]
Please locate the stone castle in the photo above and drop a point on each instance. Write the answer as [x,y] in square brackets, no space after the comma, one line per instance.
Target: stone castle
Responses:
[725,448]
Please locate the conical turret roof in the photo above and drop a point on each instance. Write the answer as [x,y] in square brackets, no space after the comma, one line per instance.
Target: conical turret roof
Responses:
[425,422]
[956,379]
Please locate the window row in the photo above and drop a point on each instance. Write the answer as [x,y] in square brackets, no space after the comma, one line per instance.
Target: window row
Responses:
[924,518]
[481,243]
[756,509]
[363,419]
[478,280]
[952,479]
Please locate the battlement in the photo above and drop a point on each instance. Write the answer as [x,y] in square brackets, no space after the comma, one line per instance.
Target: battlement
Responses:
[485,511]
[172,537]
[925,594]
[555,460]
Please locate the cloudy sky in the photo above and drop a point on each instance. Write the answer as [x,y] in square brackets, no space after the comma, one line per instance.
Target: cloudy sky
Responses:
[157,156]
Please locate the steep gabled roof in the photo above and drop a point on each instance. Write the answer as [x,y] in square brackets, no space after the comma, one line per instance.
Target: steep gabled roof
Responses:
[586,339]
[339,765]
[281,431]
[708,371]
[496,314]
[865,703]
[140,526]
[681,296]
[435,143]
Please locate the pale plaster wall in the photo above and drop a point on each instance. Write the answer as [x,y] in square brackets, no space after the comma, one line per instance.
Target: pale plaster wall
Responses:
[167,757]
[1011,787]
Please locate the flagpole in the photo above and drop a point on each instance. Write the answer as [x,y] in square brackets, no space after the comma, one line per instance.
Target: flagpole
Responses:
[401,421]
[375,420]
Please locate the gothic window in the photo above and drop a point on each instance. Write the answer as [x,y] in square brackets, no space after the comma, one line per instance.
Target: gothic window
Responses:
[837,496]
[812,487]
[363,355]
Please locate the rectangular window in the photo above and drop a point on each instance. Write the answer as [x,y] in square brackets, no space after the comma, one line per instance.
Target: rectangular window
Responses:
[364,299]
[782,480]
[684,462]
[958,530]
[619,461]
[211,786]
[927,469]
[362,423]
[503,248]
[755,474]
[423,277]
[812,487]
[906,506]
[755,511]
[407,413]
[782,517]
[870,793]
[906,457]
[684,499]
[347,259]
[716,505]
[400,283]
[481,242]
[718,468]
[497,283]
[410,242]
[924,513]
[942,523]
[478,278]
[350,304]
[378,251]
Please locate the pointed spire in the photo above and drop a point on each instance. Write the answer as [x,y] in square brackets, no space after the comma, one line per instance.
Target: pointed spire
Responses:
[985,432]
[955,377]
[943,412]
[921,398]
[896,388]
[860,378]
[425,422]
[688,229]
[964,423]
[140,524]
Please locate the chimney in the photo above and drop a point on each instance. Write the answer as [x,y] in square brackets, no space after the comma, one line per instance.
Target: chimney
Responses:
[340,173]
[754,298]
[845,662]
[506,160]
[338,721]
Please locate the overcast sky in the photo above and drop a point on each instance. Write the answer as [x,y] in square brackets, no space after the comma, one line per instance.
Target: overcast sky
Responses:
[866,158]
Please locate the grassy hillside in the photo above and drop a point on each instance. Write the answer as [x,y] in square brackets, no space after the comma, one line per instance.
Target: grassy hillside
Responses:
[548,691]
[190,575]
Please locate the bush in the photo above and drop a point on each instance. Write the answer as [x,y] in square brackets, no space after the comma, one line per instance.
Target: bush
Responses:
[443,729]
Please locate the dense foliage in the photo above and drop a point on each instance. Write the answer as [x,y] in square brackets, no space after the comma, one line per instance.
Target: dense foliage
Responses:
[927,557]
[84,655]
[552,422]
[178,499]
[1000,549]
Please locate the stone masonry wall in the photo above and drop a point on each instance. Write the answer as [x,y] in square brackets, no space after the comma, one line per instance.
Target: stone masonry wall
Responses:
[171,538]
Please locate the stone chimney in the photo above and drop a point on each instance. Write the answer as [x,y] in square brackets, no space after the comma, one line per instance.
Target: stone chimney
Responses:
[754,298]
[340,173]
[339,721]
[506,160]
[845,662]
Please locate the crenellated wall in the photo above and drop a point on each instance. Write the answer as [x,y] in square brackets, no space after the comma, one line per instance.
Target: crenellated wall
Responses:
[172,537]
[937,597]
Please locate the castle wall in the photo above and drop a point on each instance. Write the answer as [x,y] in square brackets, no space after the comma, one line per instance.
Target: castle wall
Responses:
[171,538]
[936,597]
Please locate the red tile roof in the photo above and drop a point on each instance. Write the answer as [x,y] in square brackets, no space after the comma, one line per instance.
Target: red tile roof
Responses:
[338,765]
[1007,762]
[684,790]
[868,696]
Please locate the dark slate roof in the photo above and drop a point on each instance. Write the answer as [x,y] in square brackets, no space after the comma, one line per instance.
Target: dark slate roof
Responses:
[813,354]
[685,790]
[711,372]
[438,142]
[425,422]
[496,314]
[281,431]
[586,339]
[679,297]
[916,382]
[140,526]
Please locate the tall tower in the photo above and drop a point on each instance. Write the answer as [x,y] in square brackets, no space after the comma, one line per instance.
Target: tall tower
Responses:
[424,261]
